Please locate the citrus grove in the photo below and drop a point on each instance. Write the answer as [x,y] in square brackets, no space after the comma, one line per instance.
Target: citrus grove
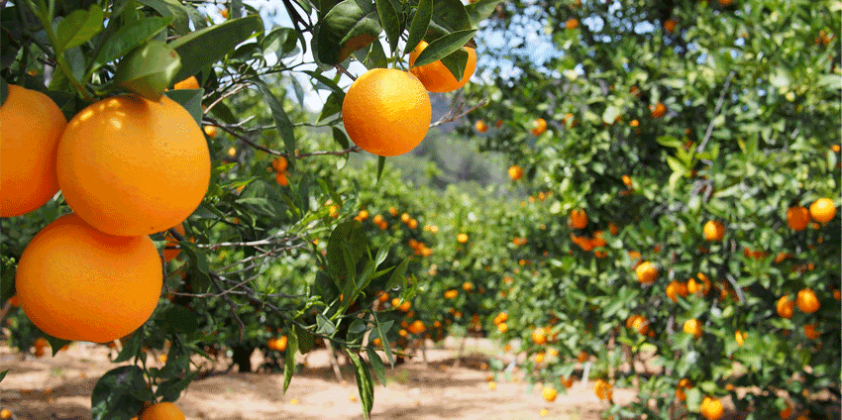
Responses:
[662,216]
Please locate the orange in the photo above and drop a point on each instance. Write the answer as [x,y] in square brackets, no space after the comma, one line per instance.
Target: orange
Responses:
[659,110]
[539,126]
[823,210]
[646,272]
[210,130]
[740,337]
[725,3]
[224,13]
[30,128]
[784,306]
[481,126]
[435,76]
[417,327]
[387,112]
[405,306]
[549,394]
[281,179]
[76,283]
[571,24]
[170,250]
[714,231]
[810,331]
[281,343]
[129,166]
[515,172]
[807,301]
[673,290]
[467,286]
[669,25]
[462,238]
[451,294]
[602,389]
[280,164]
[502,327]
[162,411]
[578,218]
[797,217]
[786,412]
[627,180]
[634,123]
[693,326]
[582,357]
[188,83]
[14,301]
[539,336]
[711,408]
[5,414]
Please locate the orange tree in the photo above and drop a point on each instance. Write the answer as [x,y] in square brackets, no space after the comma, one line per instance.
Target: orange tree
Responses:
[162,126]
[695,137]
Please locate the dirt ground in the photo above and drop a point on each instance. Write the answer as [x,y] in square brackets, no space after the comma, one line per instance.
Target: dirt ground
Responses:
[60,388]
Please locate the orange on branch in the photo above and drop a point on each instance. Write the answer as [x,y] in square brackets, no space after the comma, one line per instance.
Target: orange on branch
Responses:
[435,76]
[387,112]
[129,166]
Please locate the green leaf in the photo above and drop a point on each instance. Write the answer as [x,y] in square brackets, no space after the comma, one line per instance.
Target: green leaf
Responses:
[130,347]
[325,326]
[610,115]
[340,137]
[7,283]
[444,46]
[149,69]
[191,100]
[306,341]
[113,395]
[3,374]
[419,25]
[346,236]
[4,91]
[373,56]
[56,343]
[128,38]
[448,16]
[381,163]
[79,27]
[390,22]
[377,365]
[481,10]
[170,390]
[347,27]
[333,105]
[456,63]
[171,8]
[289,359]
[364,383]
[179,319]
[207,46]
[281,42]
[381,330]
[282,121]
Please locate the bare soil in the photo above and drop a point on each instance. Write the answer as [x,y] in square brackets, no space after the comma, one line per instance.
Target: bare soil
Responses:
[60,388]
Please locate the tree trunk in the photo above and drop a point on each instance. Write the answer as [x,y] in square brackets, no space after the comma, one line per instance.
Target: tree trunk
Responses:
[242,358]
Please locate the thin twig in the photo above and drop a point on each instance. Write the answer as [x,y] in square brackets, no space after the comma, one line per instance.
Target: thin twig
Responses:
[451,118]
[342,70]
[719,103]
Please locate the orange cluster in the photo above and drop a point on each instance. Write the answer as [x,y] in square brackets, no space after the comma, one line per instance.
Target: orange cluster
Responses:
[280,165]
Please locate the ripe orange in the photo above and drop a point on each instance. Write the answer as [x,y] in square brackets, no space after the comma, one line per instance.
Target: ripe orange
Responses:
[129,166]
[602,389]
[435,76]
[693,326]
[672,290]
[405,306]
[784,306]
[14,301]
[646,272]
[109,285]
[539,126]
[823,210]
[515,172]
[162,411]
[280,164]
[281,179]
[210,130]
[714,231]
[462,238]
[711,408]
[659,110]
[467,286]
[740,337]
[669,25]
[481,126]
[5,414]
[30,128]
[797,217]
[578,218]
[807,301]
[387,112]
[539,336]
[502,327]
[451,294]
[571,24]
[582,357]
[810,331]
[188,83]
[549,394]
[786,412]
[627,180]
[417,327]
